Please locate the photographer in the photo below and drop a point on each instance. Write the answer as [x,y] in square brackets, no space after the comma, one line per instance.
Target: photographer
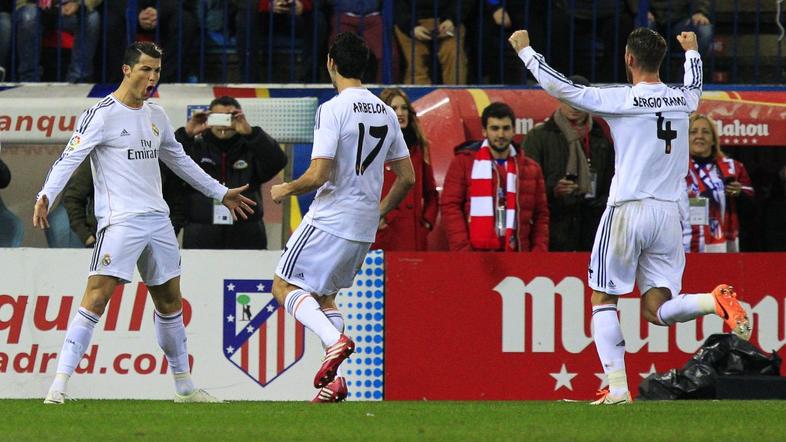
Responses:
[578,162]
[223,143]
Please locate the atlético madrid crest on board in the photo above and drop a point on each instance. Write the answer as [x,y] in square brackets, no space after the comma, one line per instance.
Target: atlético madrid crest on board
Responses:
[260,338]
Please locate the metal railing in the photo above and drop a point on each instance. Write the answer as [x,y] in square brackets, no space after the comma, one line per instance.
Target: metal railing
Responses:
[233,41]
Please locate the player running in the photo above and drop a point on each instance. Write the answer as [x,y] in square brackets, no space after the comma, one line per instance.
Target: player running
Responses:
[640,238]
[125,136]
[355,134]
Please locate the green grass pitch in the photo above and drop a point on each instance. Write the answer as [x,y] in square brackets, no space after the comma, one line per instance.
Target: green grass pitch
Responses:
[374,421]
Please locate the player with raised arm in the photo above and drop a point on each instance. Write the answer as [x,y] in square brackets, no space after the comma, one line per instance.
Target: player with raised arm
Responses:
[125,136]
[355,135]
[639,239]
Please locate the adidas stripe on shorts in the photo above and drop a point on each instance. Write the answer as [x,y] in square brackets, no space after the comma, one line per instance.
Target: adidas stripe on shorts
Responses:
[638,241]
[320,262]
[146,241]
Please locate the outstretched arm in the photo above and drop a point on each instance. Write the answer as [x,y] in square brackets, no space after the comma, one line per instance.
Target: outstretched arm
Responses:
[172,154]
[591,99]
[315,176]
[693,69]
[86,137]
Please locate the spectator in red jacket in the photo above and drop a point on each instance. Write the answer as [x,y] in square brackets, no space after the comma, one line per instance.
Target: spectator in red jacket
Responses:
[407,226]
[716,184]
[494,197]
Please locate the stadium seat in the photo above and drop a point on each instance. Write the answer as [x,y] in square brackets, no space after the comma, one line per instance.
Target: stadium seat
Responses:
[59,234]
[12,231]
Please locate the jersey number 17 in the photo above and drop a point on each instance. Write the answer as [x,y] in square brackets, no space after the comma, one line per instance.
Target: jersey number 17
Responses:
[378,132]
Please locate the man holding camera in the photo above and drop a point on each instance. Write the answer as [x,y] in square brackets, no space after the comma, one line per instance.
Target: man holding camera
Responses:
[494,198]
[230,150]
[577,160]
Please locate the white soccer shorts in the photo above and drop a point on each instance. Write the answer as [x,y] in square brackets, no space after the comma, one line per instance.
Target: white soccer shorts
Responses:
[638,241]
[320,262]
[147,241]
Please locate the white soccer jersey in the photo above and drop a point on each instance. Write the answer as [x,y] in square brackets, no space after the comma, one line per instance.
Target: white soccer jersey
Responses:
[360,133]
[649,125]
[124,145]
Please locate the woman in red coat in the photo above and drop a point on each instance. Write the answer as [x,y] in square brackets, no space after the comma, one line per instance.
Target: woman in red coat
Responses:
[407,226]
[716,184]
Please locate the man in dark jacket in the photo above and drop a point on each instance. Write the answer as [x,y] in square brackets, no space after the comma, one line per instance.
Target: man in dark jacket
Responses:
[239,154]
[577,160]
[494,198]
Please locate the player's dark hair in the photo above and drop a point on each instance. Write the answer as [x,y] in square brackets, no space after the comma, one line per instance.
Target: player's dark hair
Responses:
[497,110]
[137,48]
[226,100]
[648,48]
[350,53]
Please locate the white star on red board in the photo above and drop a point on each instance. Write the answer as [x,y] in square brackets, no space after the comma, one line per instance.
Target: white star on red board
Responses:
[563,378]
[652,370]
[604,380]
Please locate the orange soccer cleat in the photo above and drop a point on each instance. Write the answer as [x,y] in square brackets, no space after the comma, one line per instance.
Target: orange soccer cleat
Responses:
[728,308]
[605,398]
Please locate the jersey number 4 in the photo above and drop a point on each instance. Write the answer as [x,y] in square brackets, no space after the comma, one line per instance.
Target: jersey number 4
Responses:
[665,132]
[378,132]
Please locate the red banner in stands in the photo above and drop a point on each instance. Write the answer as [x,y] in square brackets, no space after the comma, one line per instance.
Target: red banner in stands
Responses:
[517,326]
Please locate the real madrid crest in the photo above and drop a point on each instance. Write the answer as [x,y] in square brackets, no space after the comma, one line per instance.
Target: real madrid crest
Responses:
[155,128]
[106,260]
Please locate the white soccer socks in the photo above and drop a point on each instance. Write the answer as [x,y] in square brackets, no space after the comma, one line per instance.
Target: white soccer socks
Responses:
[610,344]
[683,308]
[337,319]
[78,337]
[171,335]
[303,306]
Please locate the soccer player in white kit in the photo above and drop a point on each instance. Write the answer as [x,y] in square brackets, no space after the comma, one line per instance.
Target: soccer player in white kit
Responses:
[355,135]
[125,136]
[639,238]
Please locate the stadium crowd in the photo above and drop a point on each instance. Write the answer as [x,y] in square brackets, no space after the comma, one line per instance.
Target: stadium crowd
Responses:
[415,42]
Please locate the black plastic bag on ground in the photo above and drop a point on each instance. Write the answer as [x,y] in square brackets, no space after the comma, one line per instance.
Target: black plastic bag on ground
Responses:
[720,355]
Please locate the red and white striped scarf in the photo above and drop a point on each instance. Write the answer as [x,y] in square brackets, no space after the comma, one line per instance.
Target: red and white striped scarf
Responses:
[484,201]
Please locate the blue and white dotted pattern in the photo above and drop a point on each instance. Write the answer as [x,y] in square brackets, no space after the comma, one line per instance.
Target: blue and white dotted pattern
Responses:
[363,306]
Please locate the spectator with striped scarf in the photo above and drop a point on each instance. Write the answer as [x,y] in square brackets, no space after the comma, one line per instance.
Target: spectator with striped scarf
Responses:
[717,182]
[494,197]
